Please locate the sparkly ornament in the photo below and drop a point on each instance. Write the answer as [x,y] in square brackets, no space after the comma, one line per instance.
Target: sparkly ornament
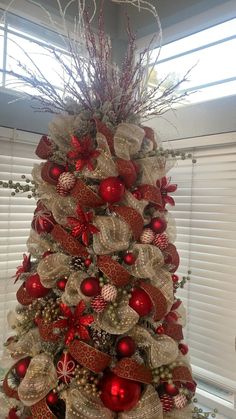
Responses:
[35,288]
[171,389]
[43,220]
[67,181]
[183,348]
[61,284]
[90,287]
[140,302]
[76,263]
[87,262]
[22,366]
[161,241]
[147,236]
[180,401]
[125,347]
[65,368]
[111,189]
[129,258]
[109,292]
[160,330]
[175,278]
[119,394]
[167,402]
[158,225]
[98,304]
[52,398]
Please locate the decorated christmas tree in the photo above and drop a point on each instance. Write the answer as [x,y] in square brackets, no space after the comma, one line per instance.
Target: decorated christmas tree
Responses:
[98,329]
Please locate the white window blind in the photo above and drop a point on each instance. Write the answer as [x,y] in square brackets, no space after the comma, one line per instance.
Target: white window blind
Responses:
[205,213]
[16,158]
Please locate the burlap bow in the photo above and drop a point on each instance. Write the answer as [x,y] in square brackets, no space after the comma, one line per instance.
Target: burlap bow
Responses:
[114,235]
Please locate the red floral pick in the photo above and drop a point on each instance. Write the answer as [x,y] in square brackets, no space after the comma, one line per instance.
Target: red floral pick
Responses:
[166,187]
[76,322]
[24,267]
[83,152]
[82,225]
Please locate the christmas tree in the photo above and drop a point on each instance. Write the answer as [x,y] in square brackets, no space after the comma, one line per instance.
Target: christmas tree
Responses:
[98,328]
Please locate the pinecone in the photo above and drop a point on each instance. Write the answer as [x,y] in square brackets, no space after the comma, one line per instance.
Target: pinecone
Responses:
[67,181]
[167,402]
[161,241]
[180,401]
[102,340]
[76,264]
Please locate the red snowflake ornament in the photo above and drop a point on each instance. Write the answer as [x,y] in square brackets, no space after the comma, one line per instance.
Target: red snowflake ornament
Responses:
[83,152]
[82,225]
[166,187]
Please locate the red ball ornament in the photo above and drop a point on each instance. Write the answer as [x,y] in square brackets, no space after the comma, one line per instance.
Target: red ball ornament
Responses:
[90,287]
[52,398]
[140,302]
[160,330]
[65,368]
[35,288]
[61,284]
[87,262]
[129,258]
[47,253]
[119,394]
[158,225]
[191,386]
[175,278]
[171,317]
[171,389]
[183,348]
[22,366]
[43,220]
[56,170]
[111,189]
[12,414]
[125,347]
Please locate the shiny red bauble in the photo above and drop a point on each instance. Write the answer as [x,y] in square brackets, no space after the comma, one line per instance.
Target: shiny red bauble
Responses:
[119,394]
[171,389]
[90,287]
[22,366]
[125,347]
[56,170]
[43,220]
[12,414]
[171,317]
[111,189]
[129,258]
[140,302]
[34,287]
[183,348]
[160,330]
[175,278]
[61,284]
[158,225]
[87,262]
[52,398]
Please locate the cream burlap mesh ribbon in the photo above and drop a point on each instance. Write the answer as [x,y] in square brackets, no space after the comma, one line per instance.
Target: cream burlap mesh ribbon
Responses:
[114,235]
[52,268]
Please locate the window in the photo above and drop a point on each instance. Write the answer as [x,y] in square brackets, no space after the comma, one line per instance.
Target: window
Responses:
[16,158]
[205,214]
[210,54]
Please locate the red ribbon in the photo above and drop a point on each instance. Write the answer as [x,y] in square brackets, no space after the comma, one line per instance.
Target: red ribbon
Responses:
[117,274]
[89,357]
[67,242]
[172,257]
[182,373]
[131,217]
[44,148]
[127,171]
[130,369]
[151,193]
[85,196]
[41,410]
[103,129]
[23,297]
[158,300]
[149,133]
[175,331]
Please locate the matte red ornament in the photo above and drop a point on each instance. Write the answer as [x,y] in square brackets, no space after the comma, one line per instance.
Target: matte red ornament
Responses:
[126,347]
[34,287]
[119,394]
[111,189]
[129,258]
[52,398]
[22,366]
[61,284]
[171,389]
[183,348]
[90,287]
[140,302]
[158,225]
[175,278]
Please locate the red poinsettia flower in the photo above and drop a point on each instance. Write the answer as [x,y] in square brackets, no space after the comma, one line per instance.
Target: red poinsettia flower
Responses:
[82,225]
[24,267]
[166,187]
[76,322]
[83,152]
